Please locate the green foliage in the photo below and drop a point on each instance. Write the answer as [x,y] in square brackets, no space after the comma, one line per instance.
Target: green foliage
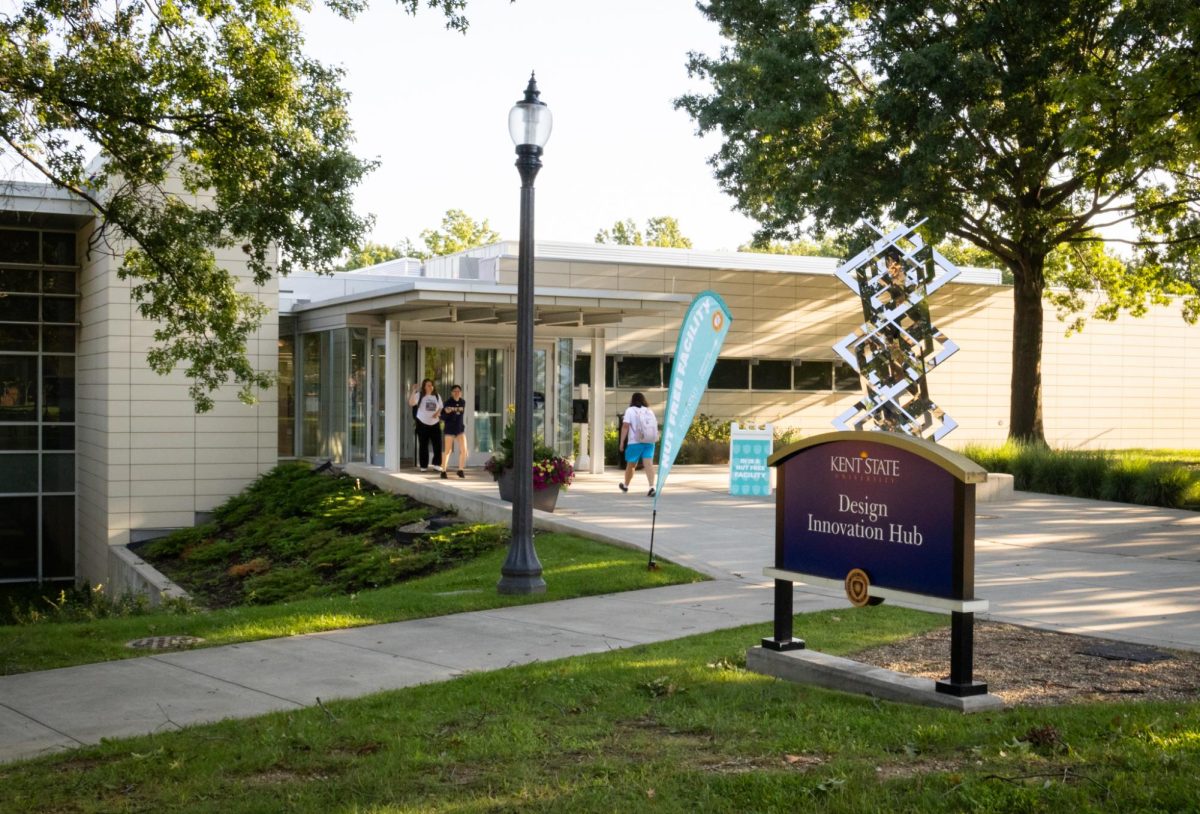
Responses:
[458,233]
[572,567]
[1017,128]
[372,254]
[705,427]
[827,246]
[81,604]
[706,442]
[662,231]
[295,533]
[1119,476]
[675,727]
[190,101]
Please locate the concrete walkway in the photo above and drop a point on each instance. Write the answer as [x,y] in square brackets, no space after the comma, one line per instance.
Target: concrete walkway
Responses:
[1113,570]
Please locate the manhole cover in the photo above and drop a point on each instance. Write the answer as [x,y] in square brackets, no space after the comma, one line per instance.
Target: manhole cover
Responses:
[164,642]
[1121,651]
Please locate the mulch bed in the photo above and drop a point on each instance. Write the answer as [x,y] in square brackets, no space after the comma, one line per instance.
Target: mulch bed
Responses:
[1028,667]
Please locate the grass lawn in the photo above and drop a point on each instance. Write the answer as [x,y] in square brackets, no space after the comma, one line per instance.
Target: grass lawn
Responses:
[672,727]
[572,567]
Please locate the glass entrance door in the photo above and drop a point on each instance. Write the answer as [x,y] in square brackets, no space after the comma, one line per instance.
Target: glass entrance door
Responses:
[378,403]
[487,403]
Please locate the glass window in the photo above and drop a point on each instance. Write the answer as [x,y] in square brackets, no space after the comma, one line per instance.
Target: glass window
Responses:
[772,374]
[58,282]
[638,372]
[58,388]
[583,368]
[58,338]
[19,537]
[18,388]
[58,472]
[287,396]
[668,366]
[610,371]
[730,374]
[813,376]
[58,248]
[565,439]
[58,536]
[18,280]
[58,309]
[358,394]
[55,436]
[439,368]
[488,394]
[18,308]
[19,473]
[18,246]
[18,337]
[18,436]
[335,349]
[311,436]
[846,377]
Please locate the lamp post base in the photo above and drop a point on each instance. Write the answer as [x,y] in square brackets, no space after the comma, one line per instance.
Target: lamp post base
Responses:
[521,584]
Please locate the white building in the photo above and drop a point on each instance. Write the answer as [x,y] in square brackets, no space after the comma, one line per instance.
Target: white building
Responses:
[97,451]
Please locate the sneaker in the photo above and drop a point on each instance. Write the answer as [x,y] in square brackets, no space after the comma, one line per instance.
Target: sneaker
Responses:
[461,474]
[651,492]
[424,469]
[444,476]
[622,487]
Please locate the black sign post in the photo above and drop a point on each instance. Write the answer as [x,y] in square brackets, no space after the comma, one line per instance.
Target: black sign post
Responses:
[884,516]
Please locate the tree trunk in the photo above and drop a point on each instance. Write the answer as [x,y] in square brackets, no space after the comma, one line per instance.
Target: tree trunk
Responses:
[1025,397]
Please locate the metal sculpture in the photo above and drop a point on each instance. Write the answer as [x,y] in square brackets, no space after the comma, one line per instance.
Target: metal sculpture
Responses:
[897,346]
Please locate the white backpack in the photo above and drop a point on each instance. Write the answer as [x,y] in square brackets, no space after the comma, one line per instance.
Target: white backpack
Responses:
[645,426]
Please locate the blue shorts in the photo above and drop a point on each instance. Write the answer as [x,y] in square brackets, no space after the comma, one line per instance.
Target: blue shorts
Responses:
[637,452]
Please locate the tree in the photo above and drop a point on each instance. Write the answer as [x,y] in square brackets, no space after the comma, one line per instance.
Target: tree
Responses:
[219,96]
[662,231]
[370,254]
[459,233]
[1017,127]
[825,247]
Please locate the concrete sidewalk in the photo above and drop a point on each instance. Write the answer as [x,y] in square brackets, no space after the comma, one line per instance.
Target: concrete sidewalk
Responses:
[1112,570]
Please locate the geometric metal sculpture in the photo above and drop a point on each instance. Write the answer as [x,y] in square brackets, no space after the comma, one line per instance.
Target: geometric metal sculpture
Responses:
[897,346]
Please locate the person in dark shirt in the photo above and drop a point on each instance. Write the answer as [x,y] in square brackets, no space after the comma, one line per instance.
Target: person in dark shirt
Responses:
[455,431]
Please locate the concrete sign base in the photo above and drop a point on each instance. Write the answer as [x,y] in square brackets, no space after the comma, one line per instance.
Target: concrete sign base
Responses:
[835,673]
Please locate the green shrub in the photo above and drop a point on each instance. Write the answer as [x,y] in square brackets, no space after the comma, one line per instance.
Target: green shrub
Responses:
[297,533]
[83,603]
[1121,477]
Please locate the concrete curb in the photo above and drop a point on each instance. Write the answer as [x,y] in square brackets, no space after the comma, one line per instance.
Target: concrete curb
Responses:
[835,673]
[129,573]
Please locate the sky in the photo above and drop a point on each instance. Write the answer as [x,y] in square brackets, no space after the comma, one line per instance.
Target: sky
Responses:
[431,105]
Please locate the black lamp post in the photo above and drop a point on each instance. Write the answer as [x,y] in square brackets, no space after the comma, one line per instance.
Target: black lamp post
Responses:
[529,124]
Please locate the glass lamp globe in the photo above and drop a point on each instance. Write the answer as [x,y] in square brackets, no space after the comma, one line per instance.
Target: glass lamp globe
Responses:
[529,121]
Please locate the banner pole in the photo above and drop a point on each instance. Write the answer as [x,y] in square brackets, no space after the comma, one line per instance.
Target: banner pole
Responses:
[652,565]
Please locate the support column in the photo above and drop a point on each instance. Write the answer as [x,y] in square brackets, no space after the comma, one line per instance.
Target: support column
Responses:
[962,657]
[596,407]
[782,638]
[393,409]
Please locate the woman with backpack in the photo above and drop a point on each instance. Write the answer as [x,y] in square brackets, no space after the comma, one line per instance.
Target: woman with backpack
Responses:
[639,433]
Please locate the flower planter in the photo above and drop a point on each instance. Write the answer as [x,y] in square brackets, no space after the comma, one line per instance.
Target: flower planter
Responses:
[543,499]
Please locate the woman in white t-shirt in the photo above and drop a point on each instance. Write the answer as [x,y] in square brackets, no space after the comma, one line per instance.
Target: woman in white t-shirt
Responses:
[427,410]
[639,432]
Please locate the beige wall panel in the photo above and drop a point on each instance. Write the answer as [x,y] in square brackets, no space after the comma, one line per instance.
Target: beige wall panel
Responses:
[226,455]
[162,488]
